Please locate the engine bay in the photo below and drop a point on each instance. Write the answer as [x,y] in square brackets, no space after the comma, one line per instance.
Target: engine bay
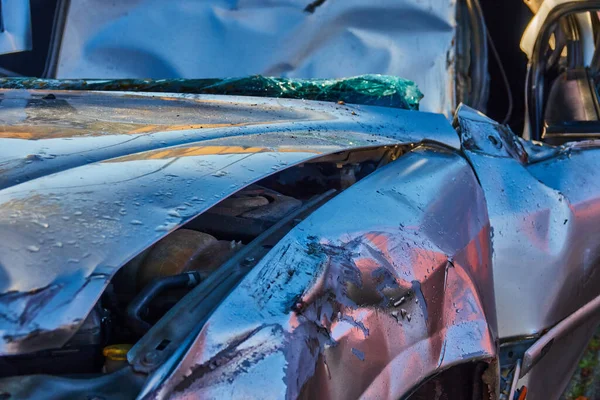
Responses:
[201,262]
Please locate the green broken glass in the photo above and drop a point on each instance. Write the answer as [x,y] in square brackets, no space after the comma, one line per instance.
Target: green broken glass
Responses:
[376,90]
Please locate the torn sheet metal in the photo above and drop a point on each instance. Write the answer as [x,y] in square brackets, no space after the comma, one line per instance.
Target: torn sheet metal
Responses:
[123,173]
[545,216]
[315,317]
[229,38]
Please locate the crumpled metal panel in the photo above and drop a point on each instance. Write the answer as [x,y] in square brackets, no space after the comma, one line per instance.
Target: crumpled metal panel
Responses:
[365,307]
[546,224]
[49,131]
[232,38]
[109,192]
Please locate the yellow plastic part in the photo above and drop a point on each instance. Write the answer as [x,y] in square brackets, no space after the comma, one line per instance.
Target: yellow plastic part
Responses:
[116,352]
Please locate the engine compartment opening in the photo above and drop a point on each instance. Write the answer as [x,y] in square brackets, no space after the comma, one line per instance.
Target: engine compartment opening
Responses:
[195,267]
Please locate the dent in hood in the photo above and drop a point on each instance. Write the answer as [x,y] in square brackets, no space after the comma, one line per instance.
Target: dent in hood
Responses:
[75,219]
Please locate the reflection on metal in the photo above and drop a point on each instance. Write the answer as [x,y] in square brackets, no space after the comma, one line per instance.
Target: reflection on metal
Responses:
[55,130]
[15,26]
[546,221]
[541,347]
[483,135]
[554,372]
[367,306]
[544,208]
[431,260]
[228,38]
[85,205]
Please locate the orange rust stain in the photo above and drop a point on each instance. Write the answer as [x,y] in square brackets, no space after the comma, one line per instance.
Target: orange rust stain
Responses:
[167,98]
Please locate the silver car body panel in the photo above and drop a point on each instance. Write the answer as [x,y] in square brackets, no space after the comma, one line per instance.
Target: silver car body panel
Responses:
[456,232]
[316,316]
[80,212]
[545,217]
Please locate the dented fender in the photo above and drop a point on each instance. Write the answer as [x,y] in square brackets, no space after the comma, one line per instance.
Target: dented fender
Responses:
[347,306]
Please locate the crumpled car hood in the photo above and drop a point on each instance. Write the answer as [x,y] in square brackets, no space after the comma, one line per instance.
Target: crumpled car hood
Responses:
[91,179]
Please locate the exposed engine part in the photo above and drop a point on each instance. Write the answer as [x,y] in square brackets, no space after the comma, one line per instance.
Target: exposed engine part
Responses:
[151,291]
[206,251]
[242,229]
[82,354]
[181,251]
[164,273]
[380,155]
[199,302]
[309,179]
[338,171]
[246,214]
[239,203]
[276,208]
[116,357]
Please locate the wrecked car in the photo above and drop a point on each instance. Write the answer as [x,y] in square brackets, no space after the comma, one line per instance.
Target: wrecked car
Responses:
[268,237]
